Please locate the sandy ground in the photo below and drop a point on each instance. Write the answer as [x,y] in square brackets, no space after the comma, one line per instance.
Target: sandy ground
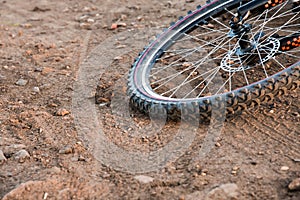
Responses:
[44,46]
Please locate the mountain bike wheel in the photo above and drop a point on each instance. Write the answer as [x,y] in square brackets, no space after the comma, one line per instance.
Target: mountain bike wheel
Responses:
[200,60]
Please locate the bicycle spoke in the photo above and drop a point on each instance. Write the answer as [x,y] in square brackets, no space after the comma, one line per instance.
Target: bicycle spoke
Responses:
[171,77]
[224,25]
[183,83]
[184,61]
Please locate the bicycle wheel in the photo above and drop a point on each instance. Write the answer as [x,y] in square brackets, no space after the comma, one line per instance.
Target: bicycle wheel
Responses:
[200,59]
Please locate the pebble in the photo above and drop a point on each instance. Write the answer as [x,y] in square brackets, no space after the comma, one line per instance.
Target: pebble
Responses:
[36,89]
[116,25]
[62,112]
[2,157]
[223,192]
[26,25]
[296,160]
[81,158]
[38,69]
[66,150]
[90,20]
[144,179]
[294,185]
[218,144]
[86,26]
[22,155]
[118,58]
[122,24]
[284,168]
[45,195]
[21,82]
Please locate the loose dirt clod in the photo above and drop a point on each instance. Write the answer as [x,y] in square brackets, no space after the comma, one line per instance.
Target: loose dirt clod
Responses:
[62,112]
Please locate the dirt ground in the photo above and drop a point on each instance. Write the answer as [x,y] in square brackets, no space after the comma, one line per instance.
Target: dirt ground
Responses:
[42,47]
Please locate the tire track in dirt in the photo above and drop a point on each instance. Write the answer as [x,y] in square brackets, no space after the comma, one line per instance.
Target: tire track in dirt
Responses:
[263,128]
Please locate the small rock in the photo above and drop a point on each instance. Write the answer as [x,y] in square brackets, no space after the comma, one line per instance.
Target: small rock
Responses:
[86,26]
[235,168]
[144,179]
[122,24]
[223,192]
[36,89]
[87,9]
[81,158]
[54,105]
[296,160]
[218,144]
[294,185]
[26,25]
[284,168]
[21,82]
[22,155]
[45,195]
[181,197]
[123,17]
[118,58]
[38,69]
[140,18]
[47,70]
[114,26]
[62,112]
[233,172]
[2,157]
[66,150]
[90,20]
[121,46]
[102,104]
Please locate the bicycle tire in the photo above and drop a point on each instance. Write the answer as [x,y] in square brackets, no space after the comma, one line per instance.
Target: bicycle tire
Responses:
[234,101]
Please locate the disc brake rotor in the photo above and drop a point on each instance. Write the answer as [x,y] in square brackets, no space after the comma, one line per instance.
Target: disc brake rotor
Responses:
[262,51]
